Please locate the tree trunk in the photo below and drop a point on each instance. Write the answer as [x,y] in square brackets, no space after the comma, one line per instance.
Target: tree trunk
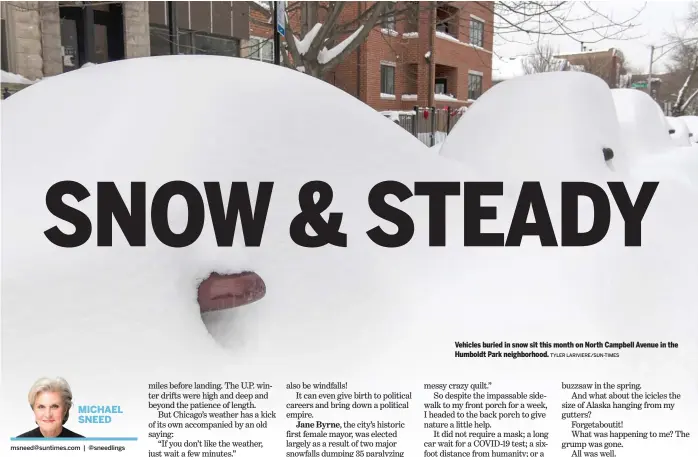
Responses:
[679,105]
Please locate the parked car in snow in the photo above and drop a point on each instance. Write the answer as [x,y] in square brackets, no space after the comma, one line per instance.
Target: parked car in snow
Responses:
[692,124]
[678,131]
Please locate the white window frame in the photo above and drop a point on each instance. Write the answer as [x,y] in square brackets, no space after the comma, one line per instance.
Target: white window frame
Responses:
[394,67]
[470,32]
[260,50]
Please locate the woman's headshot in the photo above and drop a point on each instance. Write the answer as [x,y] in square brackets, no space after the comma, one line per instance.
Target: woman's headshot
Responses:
[50,400]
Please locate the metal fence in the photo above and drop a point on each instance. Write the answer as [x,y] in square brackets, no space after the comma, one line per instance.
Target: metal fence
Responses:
[7,89]
[430,125]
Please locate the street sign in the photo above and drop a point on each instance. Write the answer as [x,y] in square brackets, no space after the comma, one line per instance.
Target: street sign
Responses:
[640,85]
[281,18]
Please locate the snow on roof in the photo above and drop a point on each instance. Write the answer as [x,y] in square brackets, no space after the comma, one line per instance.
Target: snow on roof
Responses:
[589,51]
[329,312]
[264,5]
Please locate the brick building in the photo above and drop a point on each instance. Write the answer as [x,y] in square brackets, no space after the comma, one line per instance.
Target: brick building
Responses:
[607,64]
[394,70]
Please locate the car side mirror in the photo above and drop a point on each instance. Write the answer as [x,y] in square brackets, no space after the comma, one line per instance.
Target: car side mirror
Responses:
[607,154]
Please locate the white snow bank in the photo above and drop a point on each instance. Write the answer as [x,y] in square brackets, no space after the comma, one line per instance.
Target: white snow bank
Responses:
[12,78]
[128,316]
[680,133]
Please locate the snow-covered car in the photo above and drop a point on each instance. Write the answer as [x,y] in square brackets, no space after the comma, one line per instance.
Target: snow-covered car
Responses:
[652,151]
[678,131]
[692,124]
[121,315]
[644,127]
[552,140]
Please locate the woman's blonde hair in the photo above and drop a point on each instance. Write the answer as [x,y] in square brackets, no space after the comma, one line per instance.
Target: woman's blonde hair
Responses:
[58,385]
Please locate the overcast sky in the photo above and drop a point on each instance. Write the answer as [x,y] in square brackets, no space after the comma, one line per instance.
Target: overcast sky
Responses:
[655,20]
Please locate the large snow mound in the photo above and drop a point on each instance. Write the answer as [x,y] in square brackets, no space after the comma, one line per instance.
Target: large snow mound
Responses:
[378,318]
[541,126]
[680,131]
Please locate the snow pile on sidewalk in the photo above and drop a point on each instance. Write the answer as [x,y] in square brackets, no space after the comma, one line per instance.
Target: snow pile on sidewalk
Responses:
[12,78]
[330,313]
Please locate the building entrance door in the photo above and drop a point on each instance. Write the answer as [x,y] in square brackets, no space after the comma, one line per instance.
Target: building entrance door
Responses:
[91,33]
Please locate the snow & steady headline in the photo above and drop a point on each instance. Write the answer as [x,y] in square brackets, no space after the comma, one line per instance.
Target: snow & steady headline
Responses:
[131,219]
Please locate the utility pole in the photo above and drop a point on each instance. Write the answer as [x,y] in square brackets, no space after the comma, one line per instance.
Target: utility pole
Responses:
[432,33]
[649,73]
[276,33]
[279,29]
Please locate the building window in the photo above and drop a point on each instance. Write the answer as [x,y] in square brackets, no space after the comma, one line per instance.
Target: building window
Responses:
[160,41]
[387,79]
[389,21]
[440,86]
[191,42]
[261,49]
[213,45]
[411,17]
[477,32]
[3,45]
[447,20]
[474,86]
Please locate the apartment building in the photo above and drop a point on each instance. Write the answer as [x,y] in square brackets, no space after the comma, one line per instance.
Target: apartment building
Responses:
[395,69]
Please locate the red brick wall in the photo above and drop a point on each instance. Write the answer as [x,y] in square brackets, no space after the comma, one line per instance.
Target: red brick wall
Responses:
[411,67]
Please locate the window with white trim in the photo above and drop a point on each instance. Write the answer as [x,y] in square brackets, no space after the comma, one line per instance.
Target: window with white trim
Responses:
[389,21]
[477,32]
[261,49]
[474,86]
[387,79]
